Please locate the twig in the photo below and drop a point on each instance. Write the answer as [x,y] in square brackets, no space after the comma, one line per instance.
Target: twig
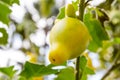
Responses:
[81,9]
[77,68]
[110,70]
[114,66]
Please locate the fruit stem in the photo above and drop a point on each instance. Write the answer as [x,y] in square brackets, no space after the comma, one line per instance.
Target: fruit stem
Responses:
[81,9]
[81,13]
[77,68]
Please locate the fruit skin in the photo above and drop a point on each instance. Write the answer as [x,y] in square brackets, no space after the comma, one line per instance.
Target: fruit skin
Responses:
[57,54]
[68,39]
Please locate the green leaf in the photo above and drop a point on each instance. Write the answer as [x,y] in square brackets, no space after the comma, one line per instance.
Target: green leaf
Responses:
[75,4]
[84,76]
[89,71]
[83,62]
[10,2]
[4,13]
[61,13]
[52,65]
[96,30]
[66,74]
[8,71]
[4,38]
[86,72]
[33,70]
[84,69]
[93,46]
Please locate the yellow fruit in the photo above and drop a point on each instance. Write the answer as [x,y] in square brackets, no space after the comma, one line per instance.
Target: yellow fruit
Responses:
[68,39]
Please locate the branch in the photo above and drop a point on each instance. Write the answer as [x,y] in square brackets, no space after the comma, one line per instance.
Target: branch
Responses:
[114,66]
[110,70]
[77,68]
[81,9]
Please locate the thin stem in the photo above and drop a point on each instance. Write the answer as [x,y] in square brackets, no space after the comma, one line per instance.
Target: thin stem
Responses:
[81,9]
[77,68]
[81,13]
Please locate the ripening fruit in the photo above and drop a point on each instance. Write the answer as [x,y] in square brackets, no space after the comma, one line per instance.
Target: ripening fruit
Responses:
[69,37]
